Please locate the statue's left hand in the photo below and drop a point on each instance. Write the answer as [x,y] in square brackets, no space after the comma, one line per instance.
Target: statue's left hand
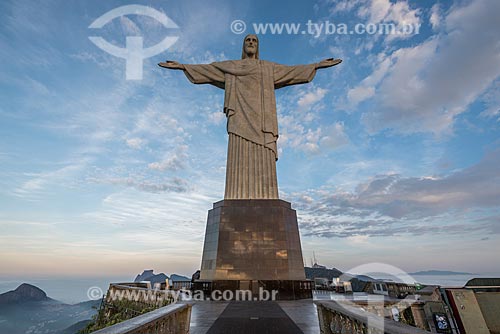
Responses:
[328,63]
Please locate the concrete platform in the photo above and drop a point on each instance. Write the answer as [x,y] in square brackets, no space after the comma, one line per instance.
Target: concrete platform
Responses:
[303,313]
[288,317]
[204,314]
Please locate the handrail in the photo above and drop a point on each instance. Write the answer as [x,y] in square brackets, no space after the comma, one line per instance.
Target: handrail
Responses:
[173,318]
[337,317]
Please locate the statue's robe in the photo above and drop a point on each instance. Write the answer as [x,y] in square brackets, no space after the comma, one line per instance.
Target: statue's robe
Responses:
[252,123]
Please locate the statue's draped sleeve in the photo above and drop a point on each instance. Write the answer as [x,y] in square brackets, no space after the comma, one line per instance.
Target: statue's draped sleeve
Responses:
[249,101]
[293,75]
[205,74]
[252,122]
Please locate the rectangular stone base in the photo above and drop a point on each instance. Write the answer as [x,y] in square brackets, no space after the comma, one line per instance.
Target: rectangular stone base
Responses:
[257,290]
[252,240]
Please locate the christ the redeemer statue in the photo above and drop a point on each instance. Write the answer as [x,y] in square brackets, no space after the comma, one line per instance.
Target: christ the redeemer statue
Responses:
[250,108]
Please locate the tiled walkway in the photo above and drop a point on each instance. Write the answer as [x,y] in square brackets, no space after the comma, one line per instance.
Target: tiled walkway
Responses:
[264,317]
[297,316]
[303,313]
[203,315]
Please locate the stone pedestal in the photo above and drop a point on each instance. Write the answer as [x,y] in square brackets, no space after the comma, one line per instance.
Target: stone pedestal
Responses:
[252,240]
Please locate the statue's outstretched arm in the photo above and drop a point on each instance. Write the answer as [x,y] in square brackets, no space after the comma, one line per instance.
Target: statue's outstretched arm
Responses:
[198,73]
[328,63]
[173,65]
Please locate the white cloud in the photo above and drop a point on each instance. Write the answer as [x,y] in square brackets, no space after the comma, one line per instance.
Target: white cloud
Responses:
[334,136]
[175,185]
[39,184]
[135,143]
[401,13]
[194,21]
[366,89]
[312,97]
[148,210]
[377,10]
[345,5]
[435,18]
[216,117]
[173,161]
[398,13]
[301,127]
[492,101]
[207,57]
[428,85]
[37,86]
[154,121]
[358,239]
[403,200]
[380,72]
[310,140]
[360,93]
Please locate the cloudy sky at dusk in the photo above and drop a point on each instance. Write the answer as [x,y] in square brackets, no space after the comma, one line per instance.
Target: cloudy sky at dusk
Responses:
[393,156]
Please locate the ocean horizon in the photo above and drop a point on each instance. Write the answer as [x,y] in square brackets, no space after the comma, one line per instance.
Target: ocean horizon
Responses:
[66,290]
[75,290]
[451,281]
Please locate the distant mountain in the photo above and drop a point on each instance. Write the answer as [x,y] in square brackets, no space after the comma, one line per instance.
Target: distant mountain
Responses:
[175,277]
[322,272]
[148,275]
[145,274]
[27,309]
[439,272]
[364,278]
[24,293]
[358,282]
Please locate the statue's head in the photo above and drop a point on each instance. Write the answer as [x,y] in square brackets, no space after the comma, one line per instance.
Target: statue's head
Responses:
[250,47]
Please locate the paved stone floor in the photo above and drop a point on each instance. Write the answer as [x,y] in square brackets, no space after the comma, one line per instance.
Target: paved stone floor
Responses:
[290,317]
[303,313]
[204,314]
[263,317]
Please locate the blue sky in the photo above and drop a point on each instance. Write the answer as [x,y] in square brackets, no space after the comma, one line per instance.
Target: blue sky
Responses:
[390,157]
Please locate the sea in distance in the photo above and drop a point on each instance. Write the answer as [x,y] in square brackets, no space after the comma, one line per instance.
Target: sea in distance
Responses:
[68,290]
[75,290]
[451,280]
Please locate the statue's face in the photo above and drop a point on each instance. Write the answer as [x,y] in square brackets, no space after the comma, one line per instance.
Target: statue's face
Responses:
[251,45]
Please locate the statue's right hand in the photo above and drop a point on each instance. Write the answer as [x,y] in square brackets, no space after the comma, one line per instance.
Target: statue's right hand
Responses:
[172,65]
[328,63]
